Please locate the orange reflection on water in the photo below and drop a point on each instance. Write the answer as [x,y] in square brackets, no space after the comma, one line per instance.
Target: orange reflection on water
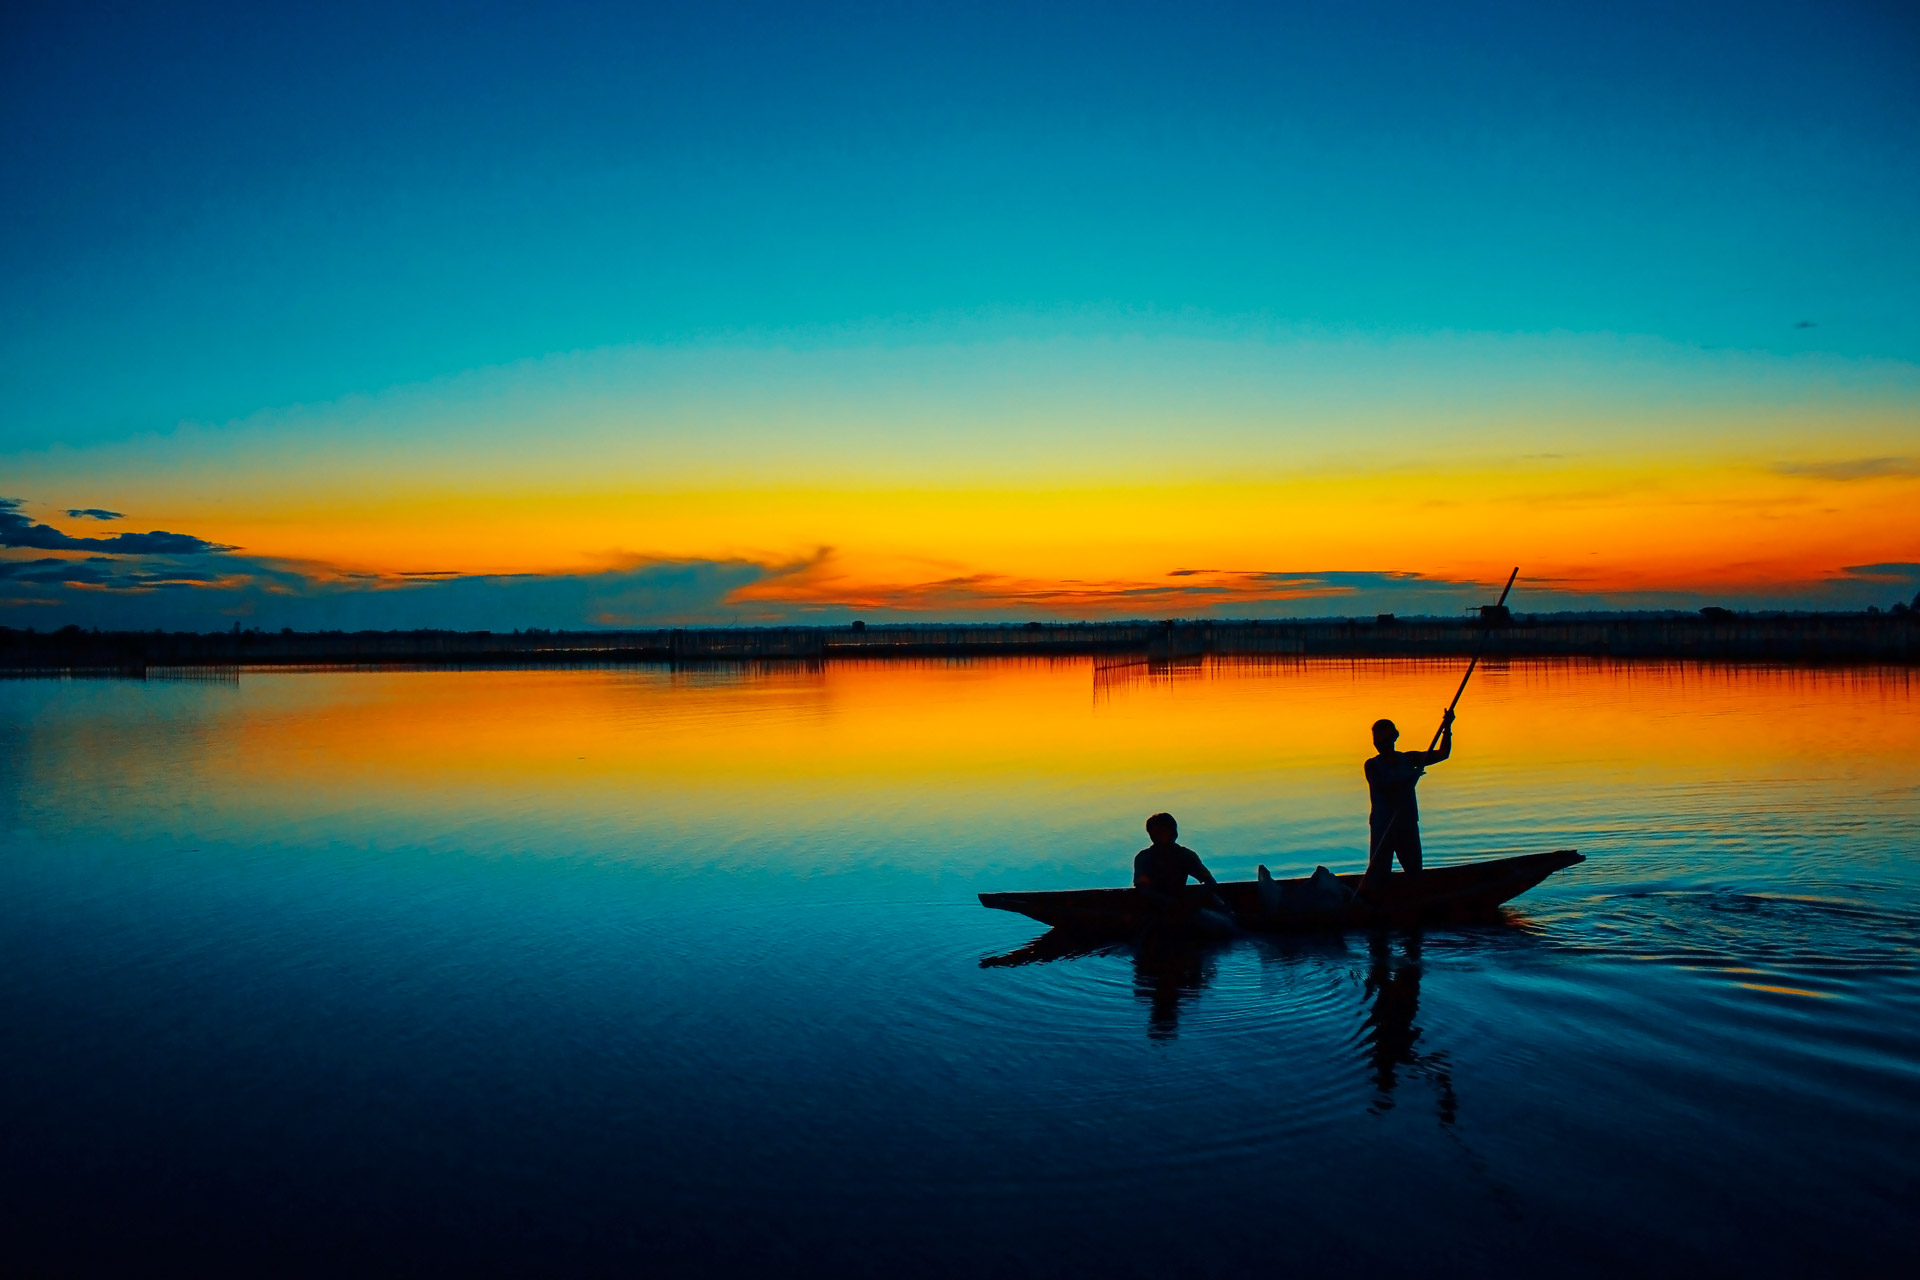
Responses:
[1063,715]
[893,720]
[1229,730]
[1018,760]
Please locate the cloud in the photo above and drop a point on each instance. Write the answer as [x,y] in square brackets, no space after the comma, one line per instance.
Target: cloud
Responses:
[103,572]
[93,513]
[16,530]
[820,587]
[821,590]
[1851,468]
[201,592]
[209,592]
[1894,572]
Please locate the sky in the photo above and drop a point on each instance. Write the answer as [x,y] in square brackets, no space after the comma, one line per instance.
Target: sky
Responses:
[501,315]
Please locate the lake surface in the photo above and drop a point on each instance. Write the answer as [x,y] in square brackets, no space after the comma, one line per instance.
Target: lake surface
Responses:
[650,972]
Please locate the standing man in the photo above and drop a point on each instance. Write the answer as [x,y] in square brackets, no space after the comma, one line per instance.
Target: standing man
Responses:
[1394,823]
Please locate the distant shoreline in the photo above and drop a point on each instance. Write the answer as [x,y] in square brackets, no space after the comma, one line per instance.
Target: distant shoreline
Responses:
[1711,635]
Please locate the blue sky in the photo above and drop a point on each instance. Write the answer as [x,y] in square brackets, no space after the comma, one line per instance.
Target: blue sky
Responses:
[218,214]
[217,208]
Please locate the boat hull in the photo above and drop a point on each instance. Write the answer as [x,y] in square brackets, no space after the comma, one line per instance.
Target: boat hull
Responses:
[1465,893]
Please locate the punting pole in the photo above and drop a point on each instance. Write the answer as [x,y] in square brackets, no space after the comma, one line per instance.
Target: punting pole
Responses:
[1480,649]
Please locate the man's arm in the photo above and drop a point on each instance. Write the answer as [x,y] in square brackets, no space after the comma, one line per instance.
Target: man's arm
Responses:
[1198,870]
[1446,743]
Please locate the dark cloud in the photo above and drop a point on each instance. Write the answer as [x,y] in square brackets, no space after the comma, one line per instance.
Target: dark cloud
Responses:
[16,530]
[196,593]
[93,513]
[20,568]
[104,572]
[819,589]
[1894,572]
[1851,468]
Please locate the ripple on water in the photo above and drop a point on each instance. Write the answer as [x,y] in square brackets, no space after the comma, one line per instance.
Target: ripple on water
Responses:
[1289,1026]
[1817,945]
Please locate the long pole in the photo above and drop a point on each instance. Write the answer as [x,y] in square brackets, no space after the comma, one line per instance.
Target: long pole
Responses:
[1478,650]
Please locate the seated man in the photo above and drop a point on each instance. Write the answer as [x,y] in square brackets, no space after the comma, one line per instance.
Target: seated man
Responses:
[1160,872]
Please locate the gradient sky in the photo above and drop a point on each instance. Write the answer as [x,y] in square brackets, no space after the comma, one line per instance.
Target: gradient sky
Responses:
[500,315]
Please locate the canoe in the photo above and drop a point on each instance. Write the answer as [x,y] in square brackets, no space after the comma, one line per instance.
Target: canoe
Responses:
[1465,893]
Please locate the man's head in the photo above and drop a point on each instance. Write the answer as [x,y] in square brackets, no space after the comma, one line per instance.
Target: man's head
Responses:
[1162,829]
[1385,734]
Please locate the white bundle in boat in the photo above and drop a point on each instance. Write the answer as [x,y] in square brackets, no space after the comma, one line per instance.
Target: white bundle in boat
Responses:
[1318,894]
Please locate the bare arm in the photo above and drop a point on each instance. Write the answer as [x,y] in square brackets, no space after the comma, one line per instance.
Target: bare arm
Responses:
[1446,743]
[1198,870]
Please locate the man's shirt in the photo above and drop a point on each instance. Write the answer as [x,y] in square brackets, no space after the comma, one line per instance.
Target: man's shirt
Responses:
[1390,780]
[1166,867]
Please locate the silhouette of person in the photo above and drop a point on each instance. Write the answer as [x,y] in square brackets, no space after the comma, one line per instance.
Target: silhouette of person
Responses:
[1388,1035]
[1168,973]
[1160,874]
[1394,823]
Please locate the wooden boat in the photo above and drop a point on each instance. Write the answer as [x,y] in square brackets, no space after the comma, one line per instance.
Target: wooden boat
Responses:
[1465,893]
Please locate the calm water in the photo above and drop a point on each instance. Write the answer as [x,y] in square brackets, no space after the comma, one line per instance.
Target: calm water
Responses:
[641,971]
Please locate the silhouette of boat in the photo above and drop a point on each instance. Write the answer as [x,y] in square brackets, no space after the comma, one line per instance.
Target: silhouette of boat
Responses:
[1462,894]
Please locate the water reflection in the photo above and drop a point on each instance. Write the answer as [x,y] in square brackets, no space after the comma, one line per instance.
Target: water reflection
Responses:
[682,965]
[1169,973]
[1389,1033]
[1054,944]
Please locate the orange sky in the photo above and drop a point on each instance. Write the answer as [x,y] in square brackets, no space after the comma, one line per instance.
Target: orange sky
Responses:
[1598,528]
[1157,476]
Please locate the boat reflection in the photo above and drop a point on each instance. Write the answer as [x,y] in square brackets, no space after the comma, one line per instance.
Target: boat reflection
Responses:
[1054,944]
